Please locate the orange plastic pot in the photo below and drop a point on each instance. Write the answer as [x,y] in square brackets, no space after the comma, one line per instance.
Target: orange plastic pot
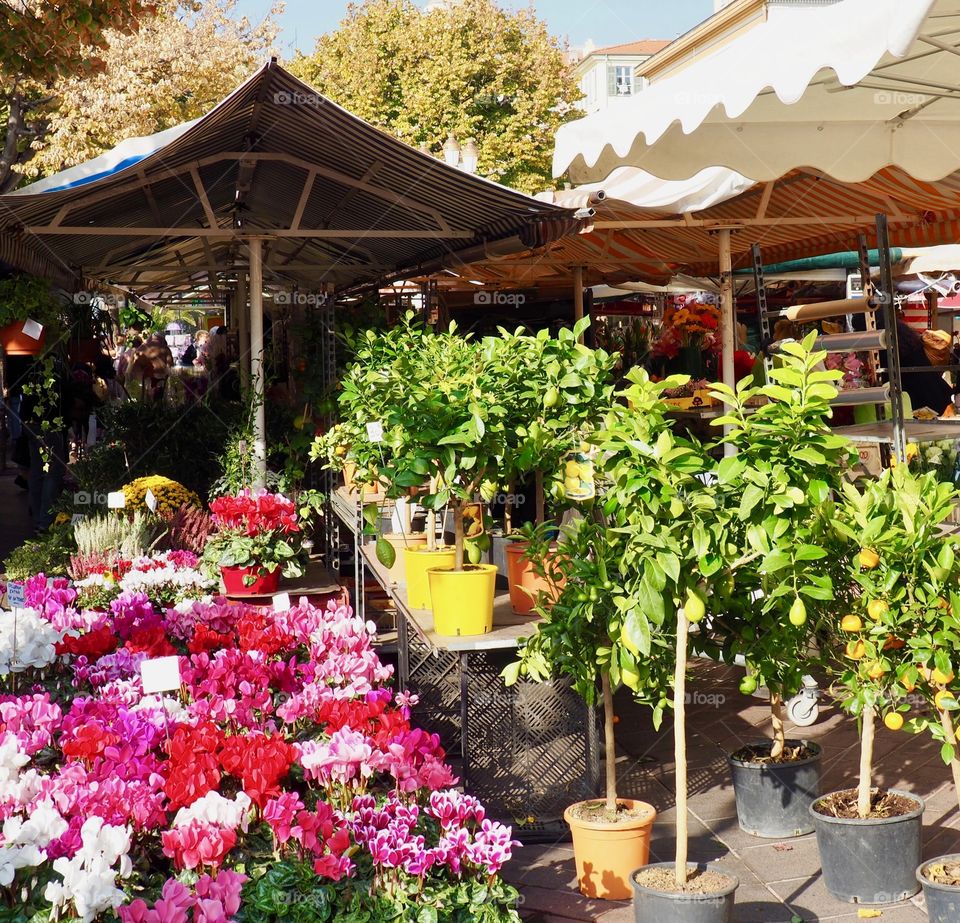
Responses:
[16,343]
[525,583]
[607,855]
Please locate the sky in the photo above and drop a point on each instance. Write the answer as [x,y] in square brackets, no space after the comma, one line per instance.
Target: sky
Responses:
[606,22]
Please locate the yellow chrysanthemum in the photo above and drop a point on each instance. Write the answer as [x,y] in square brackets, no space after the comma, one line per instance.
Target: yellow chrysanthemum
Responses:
[169,494]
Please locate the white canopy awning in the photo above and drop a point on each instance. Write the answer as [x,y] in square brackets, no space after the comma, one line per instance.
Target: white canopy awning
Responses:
[846,88]
[643,190]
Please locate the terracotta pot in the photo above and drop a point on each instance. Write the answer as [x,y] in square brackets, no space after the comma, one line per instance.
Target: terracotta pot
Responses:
[16,343]
[264,584]
[607,855]
[349,472]
[525,583]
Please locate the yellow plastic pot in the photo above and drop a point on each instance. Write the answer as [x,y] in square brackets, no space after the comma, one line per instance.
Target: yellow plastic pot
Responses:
[463,600]
[400,541]
[416,562]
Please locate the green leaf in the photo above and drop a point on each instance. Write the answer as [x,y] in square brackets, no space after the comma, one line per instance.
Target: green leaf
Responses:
[635,633]
[386,553]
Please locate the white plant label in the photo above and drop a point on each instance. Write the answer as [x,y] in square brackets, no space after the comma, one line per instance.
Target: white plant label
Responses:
[375,432]
[281,602]
[160,674]
[150,500]
[92,429]
[16,595]
[116,500]
[32,329]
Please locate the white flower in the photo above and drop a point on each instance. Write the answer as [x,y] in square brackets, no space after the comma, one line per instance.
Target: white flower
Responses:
[26,640]
[89,878]
[43,825]
[217,810]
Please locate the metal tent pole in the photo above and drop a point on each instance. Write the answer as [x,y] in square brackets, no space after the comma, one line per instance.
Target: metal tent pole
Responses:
[728,315]
[243,331]
[257,374]
[578,294]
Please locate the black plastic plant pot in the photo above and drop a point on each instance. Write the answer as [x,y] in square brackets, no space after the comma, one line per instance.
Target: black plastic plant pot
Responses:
[652,906]
[871,861]
[773,799]
[943,901]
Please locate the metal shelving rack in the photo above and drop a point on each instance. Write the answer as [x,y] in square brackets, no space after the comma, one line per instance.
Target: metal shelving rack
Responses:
[528,751]
[891,435]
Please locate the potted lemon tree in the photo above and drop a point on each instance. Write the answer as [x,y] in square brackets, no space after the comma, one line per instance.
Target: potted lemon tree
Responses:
[632,585]
[888,650]
[780,571]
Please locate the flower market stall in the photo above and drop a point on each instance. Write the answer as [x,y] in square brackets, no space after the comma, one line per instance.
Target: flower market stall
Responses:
[195,757]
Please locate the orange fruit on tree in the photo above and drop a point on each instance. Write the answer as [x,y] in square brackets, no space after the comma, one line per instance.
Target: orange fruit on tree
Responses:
[943,699]
[907,683]
[941,678]
[942,603]
[877,609]
[876,669]
[868,558]
[851,623]
[855,649]
[893,720]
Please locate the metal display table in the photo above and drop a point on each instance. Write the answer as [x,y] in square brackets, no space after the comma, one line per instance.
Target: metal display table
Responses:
[916,431]
[528,750]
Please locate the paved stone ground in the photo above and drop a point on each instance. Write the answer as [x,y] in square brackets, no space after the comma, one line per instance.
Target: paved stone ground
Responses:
[780,882]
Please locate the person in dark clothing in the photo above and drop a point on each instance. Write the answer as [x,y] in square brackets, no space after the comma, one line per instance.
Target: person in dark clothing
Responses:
[926,389]
[46,440]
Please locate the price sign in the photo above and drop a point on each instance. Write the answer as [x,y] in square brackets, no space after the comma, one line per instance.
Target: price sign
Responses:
[375,432]
[160,674]
[32,329]
[116,500]
[150,500]
[281,602]
[16,595]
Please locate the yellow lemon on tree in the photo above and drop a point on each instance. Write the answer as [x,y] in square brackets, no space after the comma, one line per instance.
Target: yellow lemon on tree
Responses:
[868,558]
[944,699]
[876,669]
[893,720]
[798,613]
[694,607]
[856,649]
[941,678]
[877,609]
[851,623]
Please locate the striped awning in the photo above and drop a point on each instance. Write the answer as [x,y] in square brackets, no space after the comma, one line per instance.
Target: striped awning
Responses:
[337,202]
[801,215]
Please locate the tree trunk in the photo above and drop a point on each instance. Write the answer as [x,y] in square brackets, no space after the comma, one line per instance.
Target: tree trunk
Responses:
[779,735]
[458,534]
[609,743]
[950,736]
[508,508]
[866,762]
[541,499]
[432,521]
[680,746]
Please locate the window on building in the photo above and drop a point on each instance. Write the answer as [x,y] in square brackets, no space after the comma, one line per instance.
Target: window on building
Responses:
[620,80]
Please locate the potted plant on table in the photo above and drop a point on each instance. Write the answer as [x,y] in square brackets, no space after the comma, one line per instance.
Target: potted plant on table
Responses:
[559,390]
[780,574]
[255,541]
[632,571]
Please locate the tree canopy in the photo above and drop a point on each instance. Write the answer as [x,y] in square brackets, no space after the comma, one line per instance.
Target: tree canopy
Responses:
[468,68]
[176,67]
